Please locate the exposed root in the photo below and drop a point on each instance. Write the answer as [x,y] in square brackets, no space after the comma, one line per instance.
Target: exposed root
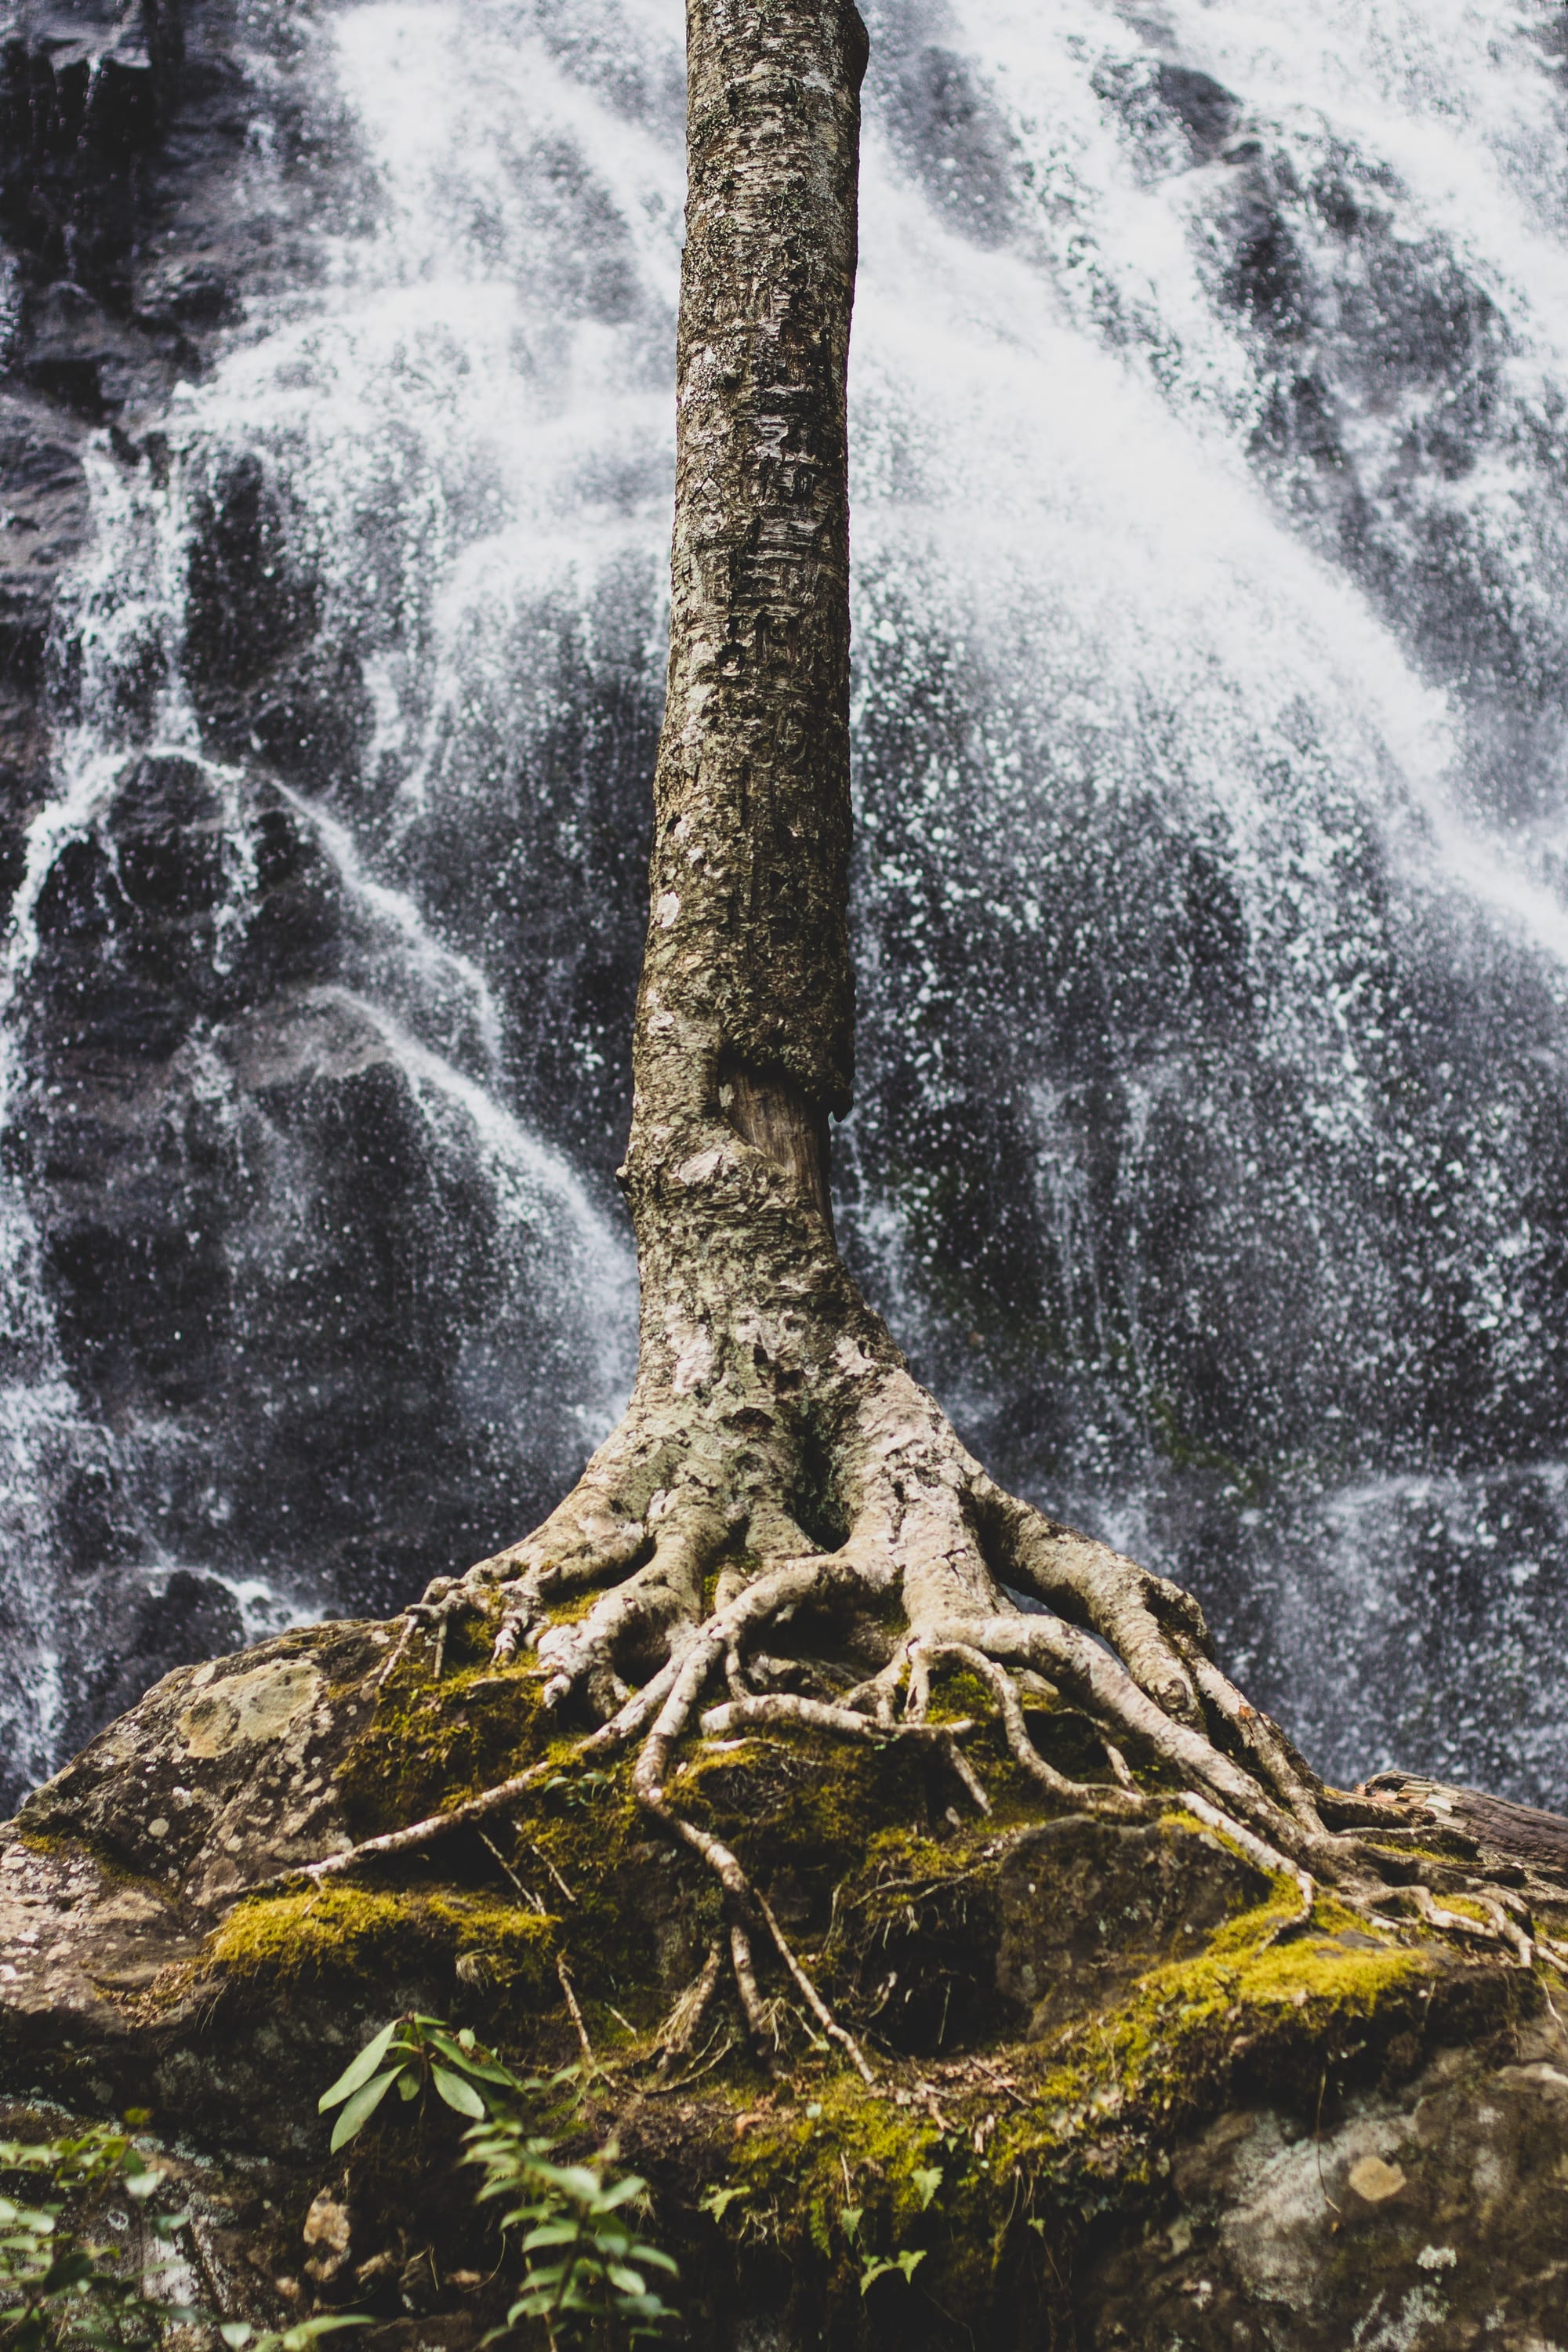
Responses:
[574,2007]
[526,1895]
[778,1708]
[1263,1854]
[812,1998]
[1497,1927]
[1267,1744]
[880,1694]
[1087,1795]
[406,1841]
[659,1602]
[1110,1694]
[680,2029]
[750,1999]
[685,1531]
[745,1898]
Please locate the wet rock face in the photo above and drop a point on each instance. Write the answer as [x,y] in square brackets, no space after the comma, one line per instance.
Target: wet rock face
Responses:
[319,1316]
[1055,1922]
[1430,2219]
[120,129]
[1087,1905]
[240,1199]
[227,1773]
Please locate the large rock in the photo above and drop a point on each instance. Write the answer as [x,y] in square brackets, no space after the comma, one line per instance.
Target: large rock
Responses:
[1122,2088]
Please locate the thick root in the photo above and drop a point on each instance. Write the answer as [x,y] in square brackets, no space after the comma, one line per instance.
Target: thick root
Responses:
[690,1534]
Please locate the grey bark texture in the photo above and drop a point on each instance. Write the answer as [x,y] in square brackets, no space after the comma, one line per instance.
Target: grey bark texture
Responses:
[748,950]
[778,1457]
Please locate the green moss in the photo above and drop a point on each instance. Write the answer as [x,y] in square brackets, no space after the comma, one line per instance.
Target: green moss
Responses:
[810,1805]
[1056,2132]
[361,1933]
[960,1695]
[427,1745]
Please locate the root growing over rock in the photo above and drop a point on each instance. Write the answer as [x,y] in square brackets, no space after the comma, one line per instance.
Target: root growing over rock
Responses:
[787,1533]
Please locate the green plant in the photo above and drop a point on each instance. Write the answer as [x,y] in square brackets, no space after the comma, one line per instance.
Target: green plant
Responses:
[421,2050]
[578,1788]
[583,2265]
[871,2269]
[64,2284]
[61,2279]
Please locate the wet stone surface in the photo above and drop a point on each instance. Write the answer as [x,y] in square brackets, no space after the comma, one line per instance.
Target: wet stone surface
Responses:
[1430,2221]
[1086,1907]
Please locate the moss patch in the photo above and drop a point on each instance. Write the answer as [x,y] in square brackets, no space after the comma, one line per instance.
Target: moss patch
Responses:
[426,1745]
[361,1934]
[991,2165]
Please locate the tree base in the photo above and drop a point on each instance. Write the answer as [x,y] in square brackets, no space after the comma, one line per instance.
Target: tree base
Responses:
[679,1569]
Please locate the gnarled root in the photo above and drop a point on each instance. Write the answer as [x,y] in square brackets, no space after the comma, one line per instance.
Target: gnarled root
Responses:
[685,1537]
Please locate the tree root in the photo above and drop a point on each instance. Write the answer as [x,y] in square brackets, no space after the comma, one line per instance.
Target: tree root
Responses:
[778,1708]
[684,2023]
[406,1841]
[699,1561]
[1087,1795]
[574,2009]
[1497,1927]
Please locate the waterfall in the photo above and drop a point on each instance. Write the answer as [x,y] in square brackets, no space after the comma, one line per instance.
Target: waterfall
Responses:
[1210,535]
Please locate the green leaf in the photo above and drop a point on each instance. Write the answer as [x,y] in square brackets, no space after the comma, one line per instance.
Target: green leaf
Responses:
[871,2270]
[469,2059]
[619,2190]
[851,2216]
[359,2069]
[456,2091]
[304,2332]
[573,2181]
[718,2201]
[66,2271]
[361,2106]
[235,2333]
[928,2179]
[444,2042]
[408,2085]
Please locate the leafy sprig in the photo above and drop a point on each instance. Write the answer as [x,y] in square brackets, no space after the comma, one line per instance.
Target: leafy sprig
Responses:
[583,2261]
[421,2050]
[584,2265]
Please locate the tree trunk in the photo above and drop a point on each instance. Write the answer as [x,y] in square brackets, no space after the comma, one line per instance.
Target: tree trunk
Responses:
[777,1460]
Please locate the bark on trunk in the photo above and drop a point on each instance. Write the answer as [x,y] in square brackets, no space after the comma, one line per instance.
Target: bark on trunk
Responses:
[777,1460]
[747,963]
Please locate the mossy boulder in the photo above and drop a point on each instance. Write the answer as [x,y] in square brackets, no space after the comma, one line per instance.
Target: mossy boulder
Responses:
[1125,2093]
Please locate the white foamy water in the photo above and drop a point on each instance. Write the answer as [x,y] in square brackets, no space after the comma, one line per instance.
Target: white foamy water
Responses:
[1212,881]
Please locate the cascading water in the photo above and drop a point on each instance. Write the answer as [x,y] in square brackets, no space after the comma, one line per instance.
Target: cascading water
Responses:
[1211,1148]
